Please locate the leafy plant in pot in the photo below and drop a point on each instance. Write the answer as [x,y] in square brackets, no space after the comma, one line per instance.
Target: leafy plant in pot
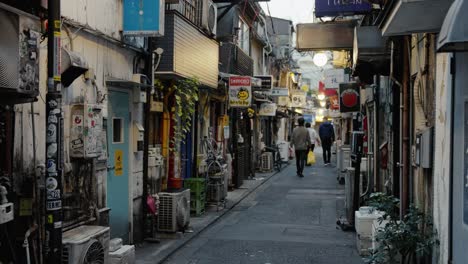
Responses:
[186,97]
[401,241]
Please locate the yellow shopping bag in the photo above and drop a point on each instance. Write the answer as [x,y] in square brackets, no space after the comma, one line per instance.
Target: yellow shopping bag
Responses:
[310,158]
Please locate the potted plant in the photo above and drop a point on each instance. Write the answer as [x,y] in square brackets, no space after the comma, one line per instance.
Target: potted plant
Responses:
[405,240]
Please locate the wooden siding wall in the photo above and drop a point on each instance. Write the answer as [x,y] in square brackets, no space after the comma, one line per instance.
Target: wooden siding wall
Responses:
[188,52]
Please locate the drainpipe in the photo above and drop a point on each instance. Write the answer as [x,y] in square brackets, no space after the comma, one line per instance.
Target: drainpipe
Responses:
[376,123]
[146,117]
[405,130]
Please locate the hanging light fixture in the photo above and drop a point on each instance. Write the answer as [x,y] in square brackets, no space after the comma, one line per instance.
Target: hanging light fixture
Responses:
[320,59]
[321,96]
[323,103]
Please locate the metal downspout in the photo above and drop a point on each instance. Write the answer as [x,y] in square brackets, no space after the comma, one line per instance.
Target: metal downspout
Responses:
[405,130]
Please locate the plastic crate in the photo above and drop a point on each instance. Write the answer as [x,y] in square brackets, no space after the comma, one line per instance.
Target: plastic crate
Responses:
[197,207]
[196,186]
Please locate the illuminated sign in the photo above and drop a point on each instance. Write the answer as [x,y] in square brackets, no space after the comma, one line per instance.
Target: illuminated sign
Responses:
[334,8]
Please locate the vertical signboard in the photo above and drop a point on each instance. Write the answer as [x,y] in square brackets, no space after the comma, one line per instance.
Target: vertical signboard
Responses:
[333,78]
[143,18]
[341,7]
[240,91]
[349,98]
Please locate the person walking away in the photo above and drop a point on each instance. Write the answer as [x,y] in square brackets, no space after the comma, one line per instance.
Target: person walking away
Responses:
[327,136]
[301,141]
[314,138]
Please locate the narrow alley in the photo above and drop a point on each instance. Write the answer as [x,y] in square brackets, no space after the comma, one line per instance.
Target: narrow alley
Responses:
[287,220]
[177,131]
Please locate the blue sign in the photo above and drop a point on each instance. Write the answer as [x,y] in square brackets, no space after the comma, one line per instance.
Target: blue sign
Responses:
[341,7]
[143,18]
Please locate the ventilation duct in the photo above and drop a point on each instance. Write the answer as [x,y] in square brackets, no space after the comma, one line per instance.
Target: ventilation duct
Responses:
[73,65]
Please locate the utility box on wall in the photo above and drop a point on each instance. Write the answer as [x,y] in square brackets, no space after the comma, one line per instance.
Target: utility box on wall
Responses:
[85,131]
[424,149]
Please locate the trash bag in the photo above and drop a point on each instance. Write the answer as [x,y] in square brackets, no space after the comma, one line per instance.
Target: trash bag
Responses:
[310,158]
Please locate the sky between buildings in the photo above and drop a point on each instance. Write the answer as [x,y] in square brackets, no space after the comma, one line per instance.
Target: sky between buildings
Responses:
[299,11]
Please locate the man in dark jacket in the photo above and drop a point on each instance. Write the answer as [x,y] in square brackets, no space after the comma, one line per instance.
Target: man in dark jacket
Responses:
[327,136]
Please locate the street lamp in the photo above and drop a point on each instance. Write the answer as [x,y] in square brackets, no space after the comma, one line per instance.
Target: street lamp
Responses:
[320,59]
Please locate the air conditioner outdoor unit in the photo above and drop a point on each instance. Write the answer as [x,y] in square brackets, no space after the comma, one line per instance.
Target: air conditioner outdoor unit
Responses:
[19,59]
[174,211]
[209,17]
[86,244]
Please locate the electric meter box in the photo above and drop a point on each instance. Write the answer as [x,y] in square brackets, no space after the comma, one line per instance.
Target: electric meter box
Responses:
[138,137]
[86,131]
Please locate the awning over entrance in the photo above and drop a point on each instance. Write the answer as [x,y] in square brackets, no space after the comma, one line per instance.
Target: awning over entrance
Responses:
[454,33]
[370,54]
[415,16]
[369,45]
[126,83]
[325,36]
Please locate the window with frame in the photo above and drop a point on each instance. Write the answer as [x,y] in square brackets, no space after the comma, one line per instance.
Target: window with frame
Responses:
[244,36]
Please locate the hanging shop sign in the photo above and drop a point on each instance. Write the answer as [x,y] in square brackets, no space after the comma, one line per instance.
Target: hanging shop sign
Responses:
[240,91]
[267,109]
[335,8]
[334,102]
[280,92]
[349,98]
[266,83]
[333,78]
[284,101]
[143,18]
[298,99]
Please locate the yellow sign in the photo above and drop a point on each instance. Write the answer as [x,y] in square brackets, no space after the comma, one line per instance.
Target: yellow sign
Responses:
[25,208]
[118,162]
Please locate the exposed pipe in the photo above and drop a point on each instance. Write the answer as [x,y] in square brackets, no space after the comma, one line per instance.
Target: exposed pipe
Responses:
[452,162]
[405,129]
[26,242]
[37,191]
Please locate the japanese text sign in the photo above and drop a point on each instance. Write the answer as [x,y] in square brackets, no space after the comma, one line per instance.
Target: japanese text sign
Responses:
[333,78]
[341,7]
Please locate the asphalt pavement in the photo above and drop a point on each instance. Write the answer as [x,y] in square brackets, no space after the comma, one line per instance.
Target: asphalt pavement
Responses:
[286,220]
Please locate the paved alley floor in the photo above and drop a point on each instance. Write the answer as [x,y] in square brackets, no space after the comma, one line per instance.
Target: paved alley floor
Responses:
[287,220]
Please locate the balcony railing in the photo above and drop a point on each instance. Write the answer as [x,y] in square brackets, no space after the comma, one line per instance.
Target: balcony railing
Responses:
[234,60]
[190,9]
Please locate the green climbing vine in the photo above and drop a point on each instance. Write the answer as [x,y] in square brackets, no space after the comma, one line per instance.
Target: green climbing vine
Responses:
[186,97]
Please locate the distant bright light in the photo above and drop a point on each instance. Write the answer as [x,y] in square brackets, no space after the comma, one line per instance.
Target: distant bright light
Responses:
[319,118]
[320,111]
[323,103]
[321,97]
[320,59]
